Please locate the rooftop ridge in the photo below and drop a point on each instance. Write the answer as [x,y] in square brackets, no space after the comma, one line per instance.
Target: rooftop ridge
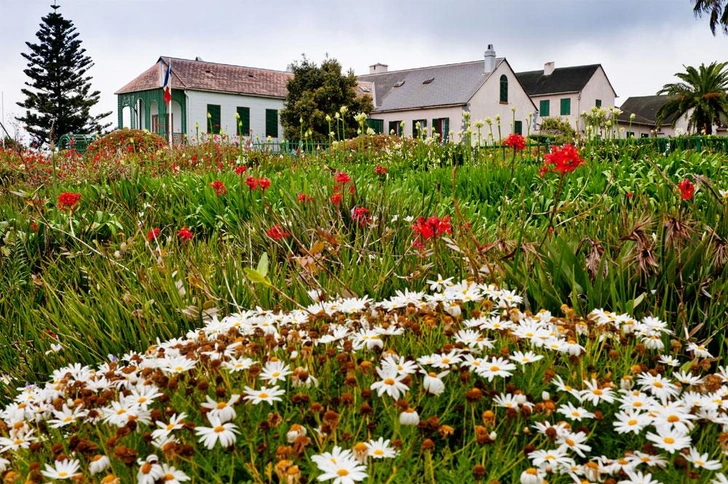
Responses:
[166,58]
[411,69]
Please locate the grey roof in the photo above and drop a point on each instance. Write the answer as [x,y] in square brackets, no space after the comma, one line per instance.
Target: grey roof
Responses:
[450,85]
[644,109]
[562,80]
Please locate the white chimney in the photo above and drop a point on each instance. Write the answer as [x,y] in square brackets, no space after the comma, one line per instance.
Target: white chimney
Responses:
[378,68]
[548,68]
[489,59]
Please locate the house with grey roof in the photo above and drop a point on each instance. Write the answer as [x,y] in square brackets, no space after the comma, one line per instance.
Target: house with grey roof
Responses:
[207,99]
[566,92]
[435,98]
[639,118]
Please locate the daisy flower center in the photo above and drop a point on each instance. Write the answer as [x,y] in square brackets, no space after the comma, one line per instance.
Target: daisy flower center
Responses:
[263,395]
[221,405]
[673,418]
[669,440]
[389,381]
[632,422]
[342,472]
[219,429]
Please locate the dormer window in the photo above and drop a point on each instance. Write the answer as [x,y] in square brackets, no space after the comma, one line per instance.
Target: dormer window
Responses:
[399,84]
[428,81]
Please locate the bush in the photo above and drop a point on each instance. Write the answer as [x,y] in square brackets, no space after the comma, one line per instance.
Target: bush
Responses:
[557,130]
[126,140]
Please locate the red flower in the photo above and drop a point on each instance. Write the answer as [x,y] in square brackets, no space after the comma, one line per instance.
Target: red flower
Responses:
[303,198]
[515,141]
[361,215]
[68,200]
[257,183]
[277,233]
[687,189]
[564,160]
[34,227]
[342,178]
[240,169]
[185,234]
[381,171]
[153,234]
[431,228]
[336,198]
[219,187]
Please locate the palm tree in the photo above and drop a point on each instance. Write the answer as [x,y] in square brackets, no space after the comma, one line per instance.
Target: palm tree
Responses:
[702,91]
[716,10]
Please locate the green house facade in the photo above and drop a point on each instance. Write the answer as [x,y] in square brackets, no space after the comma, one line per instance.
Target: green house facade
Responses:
[208,99]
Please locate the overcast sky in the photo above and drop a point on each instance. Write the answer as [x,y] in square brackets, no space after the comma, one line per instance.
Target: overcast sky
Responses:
[640,43]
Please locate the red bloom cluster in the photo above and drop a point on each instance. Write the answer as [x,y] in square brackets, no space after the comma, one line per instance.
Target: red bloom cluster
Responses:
[430,229]
[257,183]
[336,198]
[687,189]
[153,234]
[277,233]
[361,215]
[381,171]
[515,141]
[342,178]
[303,198]
[68,200]
[185,234]
[219,187]
[240,169]
[564,160]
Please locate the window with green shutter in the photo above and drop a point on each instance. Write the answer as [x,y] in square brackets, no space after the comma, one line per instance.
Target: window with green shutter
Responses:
[422,131]
[213,119]
[271,123]
[598,103]
[441,126]
[544,108]
[518,127]
[395,127]
[376,124]
[242,127]
[566,106]
[503,89]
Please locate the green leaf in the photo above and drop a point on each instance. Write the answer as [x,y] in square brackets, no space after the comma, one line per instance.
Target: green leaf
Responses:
[263,264]
[256,277]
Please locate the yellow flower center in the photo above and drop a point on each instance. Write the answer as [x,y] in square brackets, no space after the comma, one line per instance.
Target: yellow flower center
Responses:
[632,422]
[673,418]
[342,472]
[570,442]
[598,391]
[669,440]
[379,452]
[63,474]
[389,381]
[495,368]
[221,405]
[263,395]
[219,429]
[657,384]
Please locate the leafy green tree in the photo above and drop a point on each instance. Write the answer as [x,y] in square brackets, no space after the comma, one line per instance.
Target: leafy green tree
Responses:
[59,91]
[315,92]
[702,93]
[716,11]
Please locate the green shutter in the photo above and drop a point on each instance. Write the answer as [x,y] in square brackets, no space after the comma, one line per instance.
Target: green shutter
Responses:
[503,89]
[566,106]
[376,124]
[598,103]
[271,123]
[213,119]
[518,127]
[544,108]
[243,128]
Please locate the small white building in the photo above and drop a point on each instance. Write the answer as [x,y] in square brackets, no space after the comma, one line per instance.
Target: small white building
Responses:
[639,118]
[206,97]
[566,92]
[436,97]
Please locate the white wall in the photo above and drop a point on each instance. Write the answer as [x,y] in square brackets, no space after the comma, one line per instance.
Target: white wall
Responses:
[197,102]
[486,103]
[455,115]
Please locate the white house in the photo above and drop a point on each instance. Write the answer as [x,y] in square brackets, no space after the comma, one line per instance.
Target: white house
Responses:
[206,97]
[639,118]
[436,97]
[566,92]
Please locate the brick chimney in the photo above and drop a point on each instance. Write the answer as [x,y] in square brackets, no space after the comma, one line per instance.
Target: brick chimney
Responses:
[489,65]
[548,68]
[378,68]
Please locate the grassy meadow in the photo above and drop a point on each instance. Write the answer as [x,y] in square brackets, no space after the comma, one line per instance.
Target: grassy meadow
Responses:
[367,312]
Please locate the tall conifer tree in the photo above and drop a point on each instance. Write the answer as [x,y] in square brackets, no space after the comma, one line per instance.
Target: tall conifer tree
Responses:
[59,90]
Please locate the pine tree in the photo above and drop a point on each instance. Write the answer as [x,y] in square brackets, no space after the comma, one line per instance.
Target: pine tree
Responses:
[59,94]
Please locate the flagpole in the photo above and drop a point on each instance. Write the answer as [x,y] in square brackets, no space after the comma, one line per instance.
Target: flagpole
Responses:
[169,107]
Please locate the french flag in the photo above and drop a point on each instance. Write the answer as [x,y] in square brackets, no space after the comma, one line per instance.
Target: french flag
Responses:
[167,87]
